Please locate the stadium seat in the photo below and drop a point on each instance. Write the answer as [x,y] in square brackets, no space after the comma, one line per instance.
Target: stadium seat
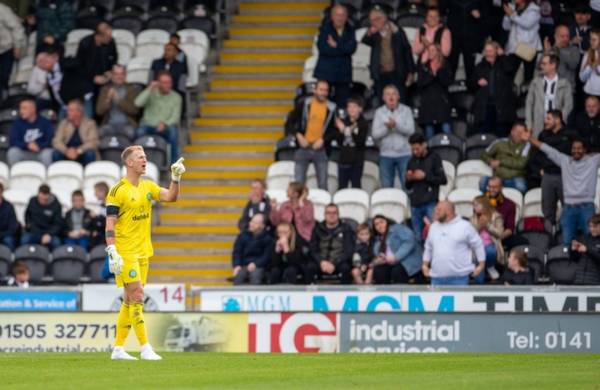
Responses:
[320,199]
[285,148]
[517,197]
[138,70]
[190,36]
[363,51]
[360,72]
[532,202]
[7,117]
[450,172]
[125,53]
[27,175]
[309,67]
[96,171]
[463,200]
[353,203]
[332,177]
[133,6]
[535,260]
[152,172]
[90,198]
[124,37]
[280,174]
[4,144]
[370,177]
[19,199]
[132,23]
[68,264]
[391,202]
[157,150]
[150,50]
[205,24]
[278,194]
[165,21]
[73,39]
[66,175]
[371,151]
[89,17]
[112,146]
[4,174]
[448,146]
[476,144]
[410,20]
[96,264]
[470,172]
[560,268]
[539,238]
[194,60]
[5,261]
[37,259]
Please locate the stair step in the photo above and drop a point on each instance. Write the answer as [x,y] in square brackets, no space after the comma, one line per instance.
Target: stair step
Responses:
[226,175]
[216,190]
[264,57]
[192,265]
[205,281]
[196,229]
[230,202]
[229,122]
[195,244]
[244,110]
[218,162]
[287,20]
[303,44]
[225,258]
[230,148]
[251,95]
[252,136]
[206,218]
[258,69]
[224,273]
[264,84]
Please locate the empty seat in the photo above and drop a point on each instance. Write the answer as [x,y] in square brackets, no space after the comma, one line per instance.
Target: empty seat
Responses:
[5,261]
[163,21]
[195,37]
[390,202]
[320,199]
[370,177]
[332,177]
[151,36]
[152,172]
[560,268]
[124,53]
[91,202]
[280,174]
[539,234]
[19,199]
[138,70]
[156,148]
[448,146]
[353,203]
[132,23]
[4,144]
[69,264]
[123,37]
[532,202]
[450,172]
[278,194]
[7,117]
[66,175]
[112,146]
[476,144]
[470,172]
[27,175]
[37,259]
[535,260]
[463,200]
[96,171]
[205,24]
[96,264]
[285,148]
[309,67]
[150,50]
[516,196]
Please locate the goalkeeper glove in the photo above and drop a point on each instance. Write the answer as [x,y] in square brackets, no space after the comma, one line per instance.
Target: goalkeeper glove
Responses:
[115,261]
[177,169]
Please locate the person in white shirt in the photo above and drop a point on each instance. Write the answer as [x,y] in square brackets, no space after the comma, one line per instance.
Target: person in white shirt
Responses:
[449,248]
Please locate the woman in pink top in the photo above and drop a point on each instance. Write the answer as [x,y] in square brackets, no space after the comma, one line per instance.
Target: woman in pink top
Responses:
[490,226]
[432,32]
[298,210]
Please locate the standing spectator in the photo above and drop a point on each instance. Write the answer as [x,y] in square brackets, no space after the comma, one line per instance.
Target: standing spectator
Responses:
[448,256]
[587,254]
[30,136]
[76,138]
[312,121]
[391,55]
[392,125]
[332,245]
[508,158]
[162,111]
[590,66]
[587,124]
[252,252]
[55,18]
[495,104]
[546,93]
[168,62]
[362,259]
[258,202]
[424,175]
[465,20]
[12,42]
[517,272]
[567,53]
[351,138]
[490,226]
[98,224]
[336,43]
[580,30]
[507,209]
[432,32]
[298,210]
[78,221]
[43,219]
[291,261]
[19,275]
[398,255]
[579,174]
[175,39]
[9,226]
[115,105]
[434,78]
[522,20]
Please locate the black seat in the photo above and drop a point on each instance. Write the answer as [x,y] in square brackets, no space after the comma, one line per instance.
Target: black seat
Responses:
[5,261]
[448,146]
[139,6]
[128,22]
[96,264]
[106,5]
[156,149]
[7,117]
[37,258]
[202,23]
[90,16]
[303,91]
[4,145]
[541,239]
[166,22]
[535,260]
[560,268]
[476,144]
[285,148]
[68,264]
[175,6]
[112,146]
[411,16]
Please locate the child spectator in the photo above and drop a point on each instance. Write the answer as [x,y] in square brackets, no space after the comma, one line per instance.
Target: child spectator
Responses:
[490,226]
[587,254]
[291,261]
[351,137]
[20,275]
[98,224]
[517,273]
[362,271]
[79,222]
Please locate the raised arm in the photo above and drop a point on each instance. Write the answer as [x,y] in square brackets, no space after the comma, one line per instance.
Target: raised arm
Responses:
[172,193]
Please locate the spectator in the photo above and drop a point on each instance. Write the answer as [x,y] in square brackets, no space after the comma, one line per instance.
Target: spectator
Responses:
[310,122]
[466,23]
[362,269]
[424,175]
[175,39]
[517,272]
[522,20]
[30,136]
[490,226]
[54,19]
[9,226]
[98,224]
[78,221]
[12,42]
[252,252]
[567,53]
[398,255]
[170,63]
[96,55]
[587,254]
[258,202]
[162,111]
[449,248]
[336,43]
[351,138]
[77,137]
[546,93]
[43,219]
[434,78]
[41,81]
[579,177]
[298,210]
[115,105]
[432,32]
[20,275]
[580,30]
[587,124]
[508,158]
[391,55]
[507,209]
[332,245]
[392,125]
[291,260]
[495,104]
[590,66]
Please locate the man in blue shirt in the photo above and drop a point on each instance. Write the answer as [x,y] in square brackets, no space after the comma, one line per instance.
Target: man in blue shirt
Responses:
[30,136]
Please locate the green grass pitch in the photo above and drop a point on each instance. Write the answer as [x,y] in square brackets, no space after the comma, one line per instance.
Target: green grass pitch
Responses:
[314,372]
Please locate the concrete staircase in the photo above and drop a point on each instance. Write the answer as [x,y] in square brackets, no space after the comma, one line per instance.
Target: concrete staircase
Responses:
[241,117]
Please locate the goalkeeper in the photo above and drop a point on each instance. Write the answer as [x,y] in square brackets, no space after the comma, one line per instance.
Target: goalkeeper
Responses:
[128,228]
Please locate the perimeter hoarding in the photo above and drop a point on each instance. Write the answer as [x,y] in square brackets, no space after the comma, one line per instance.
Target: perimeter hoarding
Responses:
[38,300]
[158,297]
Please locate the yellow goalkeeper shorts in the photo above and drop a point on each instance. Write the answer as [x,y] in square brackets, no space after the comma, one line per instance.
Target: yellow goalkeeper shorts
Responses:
[135,269]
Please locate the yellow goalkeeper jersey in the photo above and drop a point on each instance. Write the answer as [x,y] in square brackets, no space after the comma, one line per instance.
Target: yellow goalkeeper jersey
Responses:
[134,216]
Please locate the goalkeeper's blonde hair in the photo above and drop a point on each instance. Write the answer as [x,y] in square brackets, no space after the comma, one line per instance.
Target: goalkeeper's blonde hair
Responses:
[128,150]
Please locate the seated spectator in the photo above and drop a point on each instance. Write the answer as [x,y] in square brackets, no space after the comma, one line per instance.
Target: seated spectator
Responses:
[170,64]
[432,32]
[297,210]
[43,219]
[587,124]
[580,30]
[490,226]
[115,105]
[76,138]
[449,248]
[522,20]
[19,275]
[433,79]
[332,245]
[351,137]
[258,202]
[175,39]
[507,209]
[98,223]
[362,259]
[589,73]
[495,104]
[587,254]
[392,125]
[291,260]
[30,136]
[398,255]
[9,226]
[162,111]
[252,252]
[78,221]
[508,158]
[424,176]
[517,273]
[336,43]
[12,45]
[567,53]
[42,83]
[546,93]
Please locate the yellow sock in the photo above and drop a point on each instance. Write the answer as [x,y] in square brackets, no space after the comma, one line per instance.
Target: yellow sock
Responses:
[136,314]
[123,325]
